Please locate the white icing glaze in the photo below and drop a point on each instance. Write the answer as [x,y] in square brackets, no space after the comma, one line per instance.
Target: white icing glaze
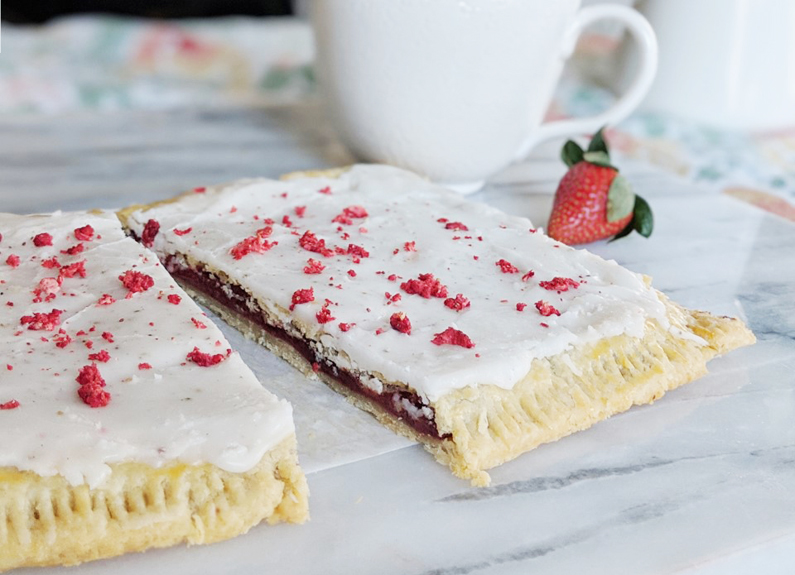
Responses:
[176,411]
[402,208]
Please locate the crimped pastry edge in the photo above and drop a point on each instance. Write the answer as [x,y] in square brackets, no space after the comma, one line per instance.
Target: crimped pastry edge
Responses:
[46,521]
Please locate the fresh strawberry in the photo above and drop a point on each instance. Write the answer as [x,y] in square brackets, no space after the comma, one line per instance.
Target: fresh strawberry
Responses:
[593,200]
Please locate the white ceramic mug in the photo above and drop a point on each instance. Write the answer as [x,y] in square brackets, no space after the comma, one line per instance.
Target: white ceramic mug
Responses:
[457,89]
[729,63]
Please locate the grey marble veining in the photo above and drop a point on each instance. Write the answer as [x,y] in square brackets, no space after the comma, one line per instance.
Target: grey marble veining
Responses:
[699,482]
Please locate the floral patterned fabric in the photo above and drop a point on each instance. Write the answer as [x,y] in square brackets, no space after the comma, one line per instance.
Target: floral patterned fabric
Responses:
[107,64]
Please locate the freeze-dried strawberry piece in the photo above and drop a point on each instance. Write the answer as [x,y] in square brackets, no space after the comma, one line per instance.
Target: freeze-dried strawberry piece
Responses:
[94,396]
[13,404]
[457,303]
[410,246]
[559,284]
[50,263]
[136,282]
[302,296]
[107,336]
[101,356]
[89,376]
[507,267]
[182,232]
[85,233]
[174,299]
[311,243]
[42,321]
[400,322]
[198,324]
[546,309]
[254,244]
[151,228]
[326,190]
[46,290]
[62,339]
[144,365]
[313,267]
[358,251]
[324,315]
[13,260]
[425,286]
[72,270]
[205,359]
[42,239]
[452,336]
[106,299]
[74,250]
[349,214]
[528,275]
[345,326]
[520,306]
[300,211]
[457,226]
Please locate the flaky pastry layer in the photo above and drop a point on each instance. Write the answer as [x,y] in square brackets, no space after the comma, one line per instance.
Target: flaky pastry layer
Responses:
[47,521]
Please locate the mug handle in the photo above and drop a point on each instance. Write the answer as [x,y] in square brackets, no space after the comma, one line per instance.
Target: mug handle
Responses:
[644,36]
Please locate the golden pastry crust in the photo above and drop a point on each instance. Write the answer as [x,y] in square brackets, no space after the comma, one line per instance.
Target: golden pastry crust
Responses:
[47,521]
[483,426]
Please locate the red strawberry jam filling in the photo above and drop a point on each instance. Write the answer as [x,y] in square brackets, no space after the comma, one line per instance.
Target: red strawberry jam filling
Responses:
[398,401]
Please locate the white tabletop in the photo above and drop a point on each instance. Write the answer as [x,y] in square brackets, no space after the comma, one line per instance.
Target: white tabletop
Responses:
[701,482]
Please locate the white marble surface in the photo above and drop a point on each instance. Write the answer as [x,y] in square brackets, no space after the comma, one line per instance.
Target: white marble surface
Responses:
[701,482]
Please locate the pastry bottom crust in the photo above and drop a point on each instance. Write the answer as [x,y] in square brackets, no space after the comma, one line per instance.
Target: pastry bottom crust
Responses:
[483,426]
[47,521]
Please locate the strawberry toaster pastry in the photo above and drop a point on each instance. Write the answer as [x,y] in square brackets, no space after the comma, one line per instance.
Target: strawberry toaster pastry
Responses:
[126,422]
[455,324]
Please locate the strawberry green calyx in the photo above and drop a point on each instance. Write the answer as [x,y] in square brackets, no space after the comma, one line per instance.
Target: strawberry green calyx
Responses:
[642,220]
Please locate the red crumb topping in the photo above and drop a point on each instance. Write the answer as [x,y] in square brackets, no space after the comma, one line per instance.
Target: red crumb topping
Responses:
[457,226]
[74,250]
[311,243]
[51,263]
[101,356]
[174,299]
[302,296]
[72,270]
[457,303]
[61,339]
[358,251]
[205,359]
[559,284]
[200,190]
[410,246]
[91,384]
[313,267]
[507,267]
[452,336]
[349,214]
[286,221]
[392,277]
[13,260]
[425,286]
[542,324]
[528,275]
[107,336]
[149,233]
[326,190]
[254,244]
[546,309]
[106,299]
[42,321]
[144,365]
[324,315]
[520,306]
[390,299]
[345,326]
[46,290]
[136,282]
[85,233]
[183,232]
[13,404]
[400,322]
[300,211]
[352,273]
[42,239]
[198,324]
[9,367]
